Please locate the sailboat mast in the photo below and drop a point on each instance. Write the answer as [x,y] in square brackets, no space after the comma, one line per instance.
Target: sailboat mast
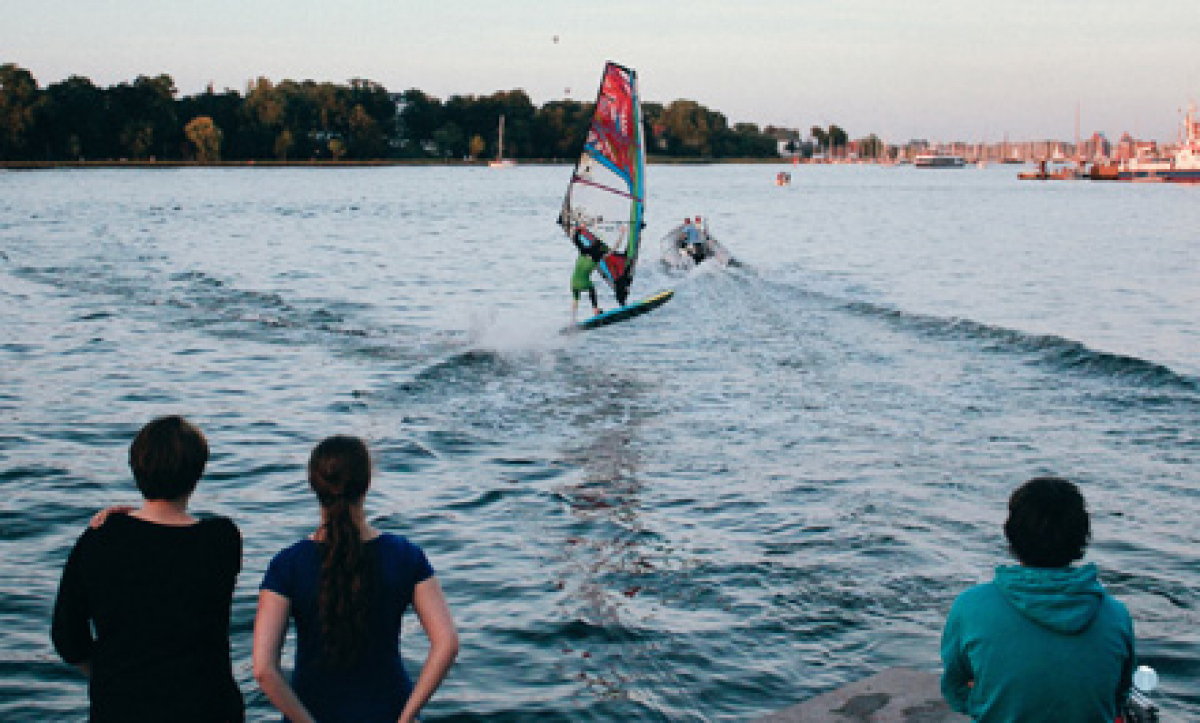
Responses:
[500,143]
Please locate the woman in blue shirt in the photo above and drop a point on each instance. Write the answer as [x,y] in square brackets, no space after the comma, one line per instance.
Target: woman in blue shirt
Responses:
[347,586]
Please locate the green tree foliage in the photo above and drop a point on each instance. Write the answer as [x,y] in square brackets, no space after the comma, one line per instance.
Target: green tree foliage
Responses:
[472,115]
[205,136]
[225,110]
[519,121]
[143,115]
[371,120]
[283,144]
[74,120]
[653,129]
[289,119]
[365,137]
[691,129]
[821,137]
[748,141]
[560,127]
[477,146]
[837,137]
[18,99]
[450,140]
[871,147]
[420,117]
[263,108]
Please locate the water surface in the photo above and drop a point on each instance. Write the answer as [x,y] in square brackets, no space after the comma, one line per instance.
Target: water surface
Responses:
[773,485]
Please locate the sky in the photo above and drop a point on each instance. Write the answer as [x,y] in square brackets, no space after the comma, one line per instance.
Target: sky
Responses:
[943,70]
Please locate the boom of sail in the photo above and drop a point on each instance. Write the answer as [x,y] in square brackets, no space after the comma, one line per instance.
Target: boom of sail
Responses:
[602,212]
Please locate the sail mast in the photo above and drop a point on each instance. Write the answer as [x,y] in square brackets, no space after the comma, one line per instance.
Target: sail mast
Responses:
[500,142]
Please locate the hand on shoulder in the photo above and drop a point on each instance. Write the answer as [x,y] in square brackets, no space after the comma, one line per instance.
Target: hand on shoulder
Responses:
[100,517]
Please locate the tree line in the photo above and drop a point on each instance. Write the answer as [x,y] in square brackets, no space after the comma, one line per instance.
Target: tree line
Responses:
[301,120]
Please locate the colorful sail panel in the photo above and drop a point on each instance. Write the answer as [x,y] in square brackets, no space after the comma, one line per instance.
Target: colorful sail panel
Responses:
[606,196]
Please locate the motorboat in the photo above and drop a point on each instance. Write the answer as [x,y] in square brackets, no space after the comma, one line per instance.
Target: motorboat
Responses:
[688,245]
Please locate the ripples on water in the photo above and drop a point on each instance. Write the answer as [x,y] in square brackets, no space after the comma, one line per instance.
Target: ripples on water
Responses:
[774,485]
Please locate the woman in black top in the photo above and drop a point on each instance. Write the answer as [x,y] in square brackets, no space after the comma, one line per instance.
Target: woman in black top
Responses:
[155,586]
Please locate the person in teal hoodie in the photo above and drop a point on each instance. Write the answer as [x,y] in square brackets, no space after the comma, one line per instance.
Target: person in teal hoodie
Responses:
[1043,641]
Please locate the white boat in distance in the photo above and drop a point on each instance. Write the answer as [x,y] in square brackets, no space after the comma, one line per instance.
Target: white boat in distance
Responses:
[938,160]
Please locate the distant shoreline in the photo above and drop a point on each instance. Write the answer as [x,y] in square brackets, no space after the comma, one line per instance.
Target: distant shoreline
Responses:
[145,164]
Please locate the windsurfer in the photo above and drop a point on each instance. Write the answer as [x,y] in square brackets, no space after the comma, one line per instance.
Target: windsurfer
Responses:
[591,251]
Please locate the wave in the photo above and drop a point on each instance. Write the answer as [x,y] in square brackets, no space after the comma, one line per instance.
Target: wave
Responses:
[1056,351]
[459,363]
[205,302]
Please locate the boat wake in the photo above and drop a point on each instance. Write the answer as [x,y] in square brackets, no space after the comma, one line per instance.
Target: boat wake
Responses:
[1056,351]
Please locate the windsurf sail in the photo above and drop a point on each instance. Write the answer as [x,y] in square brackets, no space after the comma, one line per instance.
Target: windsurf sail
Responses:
[602,212]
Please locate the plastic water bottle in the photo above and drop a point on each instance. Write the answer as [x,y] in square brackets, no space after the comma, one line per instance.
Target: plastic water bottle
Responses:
[1145,679]
[1139,708]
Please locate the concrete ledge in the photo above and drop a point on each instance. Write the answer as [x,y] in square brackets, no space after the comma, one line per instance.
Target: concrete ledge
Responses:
[896,695]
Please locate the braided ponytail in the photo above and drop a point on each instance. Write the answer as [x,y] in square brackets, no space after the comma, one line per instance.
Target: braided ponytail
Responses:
[339,472]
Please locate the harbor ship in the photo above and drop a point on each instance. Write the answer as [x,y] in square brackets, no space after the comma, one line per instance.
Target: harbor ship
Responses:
[1181,167]
[938,160]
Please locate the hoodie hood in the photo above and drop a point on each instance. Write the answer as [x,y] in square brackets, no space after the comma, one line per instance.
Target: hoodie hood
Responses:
[1062,599]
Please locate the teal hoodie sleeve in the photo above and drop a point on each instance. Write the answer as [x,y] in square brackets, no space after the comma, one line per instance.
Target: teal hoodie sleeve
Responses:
[956,668]
[1126,685]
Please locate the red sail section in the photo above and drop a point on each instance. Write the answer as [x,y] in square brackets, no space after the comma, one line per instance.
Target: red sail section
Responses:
[612,132]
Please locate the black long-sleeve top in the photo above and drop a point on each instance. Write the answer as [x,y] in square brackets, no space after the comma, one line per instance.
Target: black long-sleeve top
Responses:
[147,606]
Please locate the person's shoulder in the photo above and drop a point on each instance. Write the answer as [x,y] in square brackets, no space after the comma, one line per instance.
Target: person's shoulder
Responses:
[90,537]
[980,595]
[400,546]
[299,548]
[117,525]
[1115,609]
[218,523]
[392,541]
[400,553]
[295,563]
[295,554]
[982,589]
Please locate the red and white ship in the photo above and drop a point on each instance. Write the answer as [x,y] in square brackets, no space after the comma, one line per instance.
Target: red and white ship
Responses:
[1181,167]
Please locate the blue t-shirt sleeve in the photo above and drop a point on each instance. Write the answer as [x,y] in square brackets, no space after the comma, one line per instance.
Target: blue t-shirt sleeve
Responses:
[422,570]
[279,577]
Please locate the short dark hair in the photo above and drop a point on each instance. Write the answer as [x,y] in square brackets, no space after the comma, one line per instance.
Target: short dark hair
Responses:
[1048,523]
[167,458]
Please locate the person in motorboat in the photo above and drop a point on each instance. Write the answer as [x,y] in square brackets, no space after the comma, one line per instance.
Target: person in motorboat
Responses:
[692,240]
